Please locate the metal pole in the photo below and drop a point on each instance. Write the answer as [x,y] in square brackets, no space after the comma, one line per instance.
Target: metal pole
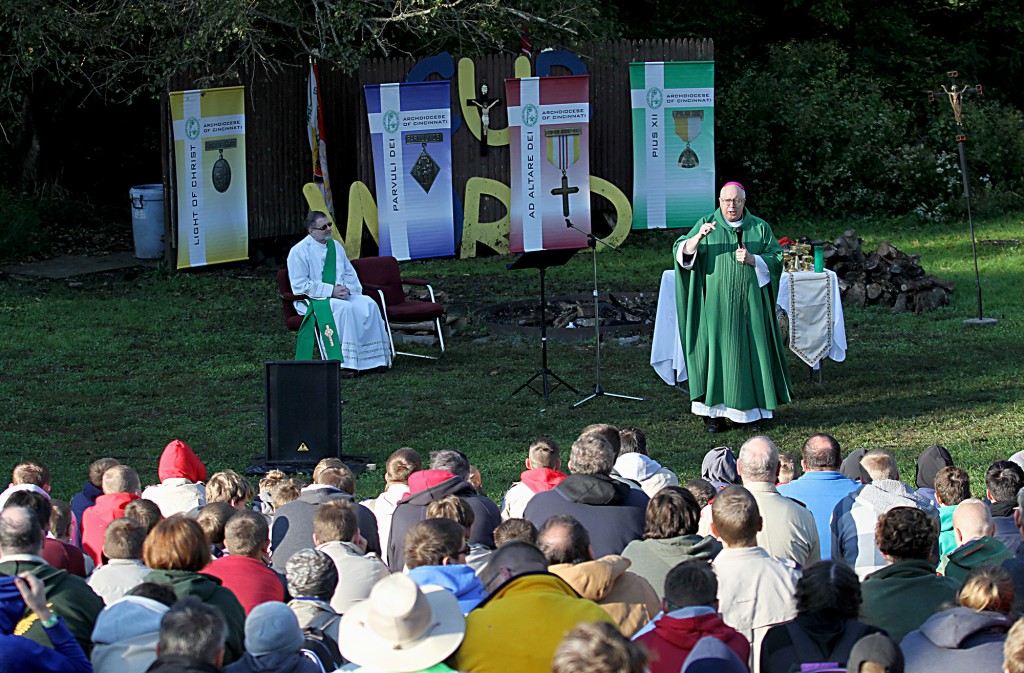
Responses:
[981,319]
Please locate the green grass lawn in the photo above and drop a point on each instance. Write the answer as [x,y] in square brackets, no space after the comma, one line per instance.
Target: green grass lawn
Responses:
[120,366]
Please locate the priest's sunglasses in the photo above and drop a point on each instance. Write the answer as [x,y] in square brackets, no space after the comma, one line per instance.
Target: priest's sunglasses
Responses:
[323,228]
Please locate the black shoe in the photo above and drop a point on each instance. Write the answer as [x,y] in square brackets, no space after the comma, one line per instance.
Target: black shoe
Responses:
[712,424]
[758,426]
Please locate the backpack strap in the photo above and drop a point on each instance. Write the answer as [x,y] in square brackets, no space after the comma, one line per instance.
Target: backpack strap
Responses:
[853,632]
[807,650]
[810,651]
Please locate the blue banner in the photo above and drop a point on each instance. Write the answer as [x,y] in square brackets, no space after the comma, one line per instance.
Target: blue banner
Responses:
[410,131]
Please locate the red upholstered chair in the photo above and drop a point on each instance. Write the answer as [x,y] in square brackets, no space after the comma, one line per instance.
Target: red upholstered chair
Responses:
[292,319]
[383,282]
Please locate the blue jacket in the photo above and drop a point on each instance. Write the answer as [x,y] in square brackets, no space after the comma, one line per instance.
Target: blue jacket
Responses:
[1007,532]
[21,655]
[82,501]
[820,492]
[458,579]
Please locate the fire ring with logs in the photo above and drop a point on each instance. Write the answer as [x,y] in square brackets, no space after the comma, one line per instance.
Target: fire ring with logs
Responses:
[571,318]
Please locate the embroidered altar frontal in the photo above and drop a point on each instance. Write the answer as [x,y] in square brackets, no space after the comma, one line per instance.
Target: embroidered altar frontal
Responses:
[410,132]
[549,123]
[673,143]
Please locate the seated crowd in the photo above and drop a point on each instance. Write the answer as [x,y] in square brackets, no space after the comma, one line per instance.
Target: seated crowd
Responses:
[765,563]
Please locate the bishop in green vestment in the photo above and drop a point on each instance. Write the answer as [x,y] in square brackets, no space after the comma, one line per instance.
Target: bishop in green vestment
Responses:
[727,278]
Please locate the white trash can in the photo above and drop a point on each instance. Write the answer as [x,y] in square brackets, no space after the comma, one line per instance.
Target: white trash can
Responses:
[148,220]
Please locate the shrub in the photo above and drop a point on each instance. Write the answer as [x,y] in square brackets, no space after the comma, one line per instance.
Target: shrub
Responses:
[812,137]
[19,226]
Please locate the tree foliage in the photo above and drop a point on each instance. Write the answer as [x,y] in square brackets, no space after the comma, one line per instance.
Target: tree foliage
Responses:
[857,70]
[117,48]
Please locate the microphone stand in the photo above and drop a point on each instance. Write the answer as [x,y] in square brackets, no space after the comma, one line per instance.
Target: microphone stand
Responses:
[592,242]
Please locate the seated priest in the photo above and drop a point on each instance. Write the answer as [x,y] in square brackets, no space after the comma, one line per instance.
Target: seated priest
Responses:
[346,324]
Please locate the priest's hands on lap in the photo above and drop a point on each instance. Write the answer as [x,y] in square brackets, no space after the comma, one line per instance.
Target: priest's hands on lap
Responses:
[744,257]
[340,292]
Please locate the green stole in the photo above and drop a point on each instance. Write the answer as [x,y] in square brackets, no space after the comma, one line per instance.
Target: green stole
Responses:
[319,319]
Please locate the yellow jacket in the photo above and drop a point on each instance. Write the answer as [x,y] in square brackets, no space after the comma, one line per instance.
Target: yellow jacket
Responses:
[520,626]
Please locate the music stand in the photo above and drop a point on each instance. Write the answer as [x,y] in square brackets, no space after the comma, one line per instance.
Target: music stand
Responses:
[599,391]
[541,260]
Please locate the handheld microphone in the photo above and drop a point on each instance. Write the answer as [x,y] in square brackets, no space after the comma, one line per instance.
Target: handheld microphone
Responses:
[739,239]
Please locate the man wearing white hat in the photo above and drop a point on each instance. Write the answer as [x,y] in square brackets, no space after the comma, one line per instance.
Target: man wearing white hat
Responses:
[402,629]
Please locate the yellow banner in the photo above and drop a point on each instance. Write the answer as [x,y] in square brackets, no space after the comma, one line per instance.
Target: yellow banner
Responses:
[209,163]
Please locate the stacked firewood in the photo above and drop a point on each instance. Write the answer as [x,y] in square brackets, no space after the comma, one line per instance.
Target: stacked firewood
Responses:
[886,276]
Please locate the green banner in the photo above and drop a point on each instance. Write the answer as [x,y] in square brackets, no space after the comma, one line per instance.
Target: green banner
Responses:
[673,143]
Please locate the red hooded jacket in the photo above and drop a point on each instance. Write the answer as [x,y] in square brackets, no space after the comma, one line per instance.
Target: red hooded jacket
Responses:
[96,519]
[424,479]
[672,639]
[541,479]
[178,460]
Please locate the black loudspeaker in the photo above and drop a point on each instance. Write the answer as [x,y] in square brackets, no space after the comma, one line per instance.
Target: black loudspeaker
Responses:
[303,409]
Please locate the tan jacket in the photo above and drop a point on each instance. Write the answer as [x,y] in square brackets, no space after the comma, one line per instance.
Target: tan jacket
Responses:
[788,530]
[627,598]
[755,592]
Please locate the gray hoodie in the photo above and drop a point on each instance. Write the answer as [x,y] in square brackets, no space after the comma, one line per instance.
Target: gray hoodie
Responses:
[125,636]
[653,559]
[958,639]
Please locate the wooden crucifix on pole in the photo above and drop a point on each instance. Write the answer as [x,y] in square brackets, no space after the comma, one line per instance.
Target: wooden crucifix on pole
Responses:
[955,94]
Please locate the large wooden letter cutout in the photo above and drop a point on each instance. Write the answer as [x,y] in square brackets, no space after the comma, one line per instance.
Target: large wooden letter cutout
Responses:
[361,208]
[494,235]
[623,210]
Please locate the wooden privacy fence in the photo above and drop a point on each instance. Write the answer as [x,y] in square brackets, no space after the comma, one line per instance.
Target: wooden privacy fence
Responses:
[278,160]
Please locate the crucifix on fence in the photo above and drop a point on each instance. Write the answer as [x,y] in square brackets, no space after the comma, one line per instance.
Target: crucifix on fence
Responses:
[955,93]
[484,103]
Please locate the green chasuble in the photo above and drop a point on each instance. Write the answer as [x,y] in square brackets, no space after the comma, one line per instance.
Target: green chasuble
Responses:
[319,320]
[727,327]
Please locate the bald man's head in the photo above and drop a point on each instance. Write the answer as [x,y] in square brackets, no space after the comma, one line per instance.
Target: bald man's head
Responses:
[20,532]
[563,539]
[758,460]
[972,519]
[821,453]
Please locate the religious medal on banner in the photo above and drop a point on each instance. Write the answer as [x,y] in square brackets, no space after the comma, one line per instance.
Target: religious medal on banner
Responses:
[688,123]
[425,170]
[221,168]
[563,146]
